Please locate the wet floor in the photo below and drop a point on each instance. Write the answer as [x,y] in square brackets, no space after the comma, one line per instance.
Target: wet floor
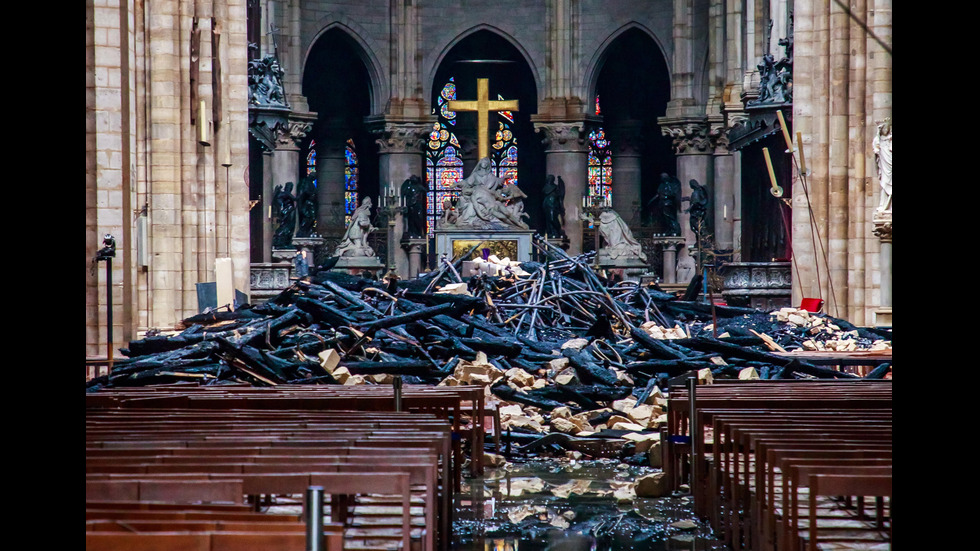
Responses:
[569,505]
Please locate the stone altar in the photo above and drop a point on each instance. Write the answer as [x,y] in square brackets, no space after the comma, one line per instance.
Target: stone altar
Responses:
[490,209]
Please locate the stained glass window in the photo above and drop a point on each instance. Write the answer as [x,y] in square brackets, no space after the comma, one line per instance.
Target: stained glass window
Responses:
[504,154]
[443,166]
[350,181]
[600,164]
[311,161]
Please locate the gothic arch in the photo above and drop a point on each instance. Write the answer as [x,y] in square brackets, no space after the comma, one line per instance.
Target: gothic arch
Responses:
[598,60]
[379,89]
[437,62]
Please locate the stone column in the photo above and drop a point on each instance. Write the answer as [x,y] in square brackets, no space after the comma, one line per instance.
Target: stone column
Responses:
[723,227]
[883,229]
[626,141]
[567,155]
[400,155]
[693,149]
[285,163]
[416,249]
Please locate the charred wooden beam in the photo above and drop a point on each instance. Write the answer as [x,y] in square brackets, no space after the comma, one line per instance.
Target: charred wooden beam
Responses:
[656,346]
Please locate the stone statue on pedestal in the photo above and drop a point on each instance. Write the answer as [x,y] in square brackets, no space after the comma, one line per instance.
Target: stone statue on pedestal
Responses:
[620,243]
[354,242]
[698,208]
[306,204]
[416,205]
[668,197]
[284,207]
[553,206]
[487,202]
[882,146]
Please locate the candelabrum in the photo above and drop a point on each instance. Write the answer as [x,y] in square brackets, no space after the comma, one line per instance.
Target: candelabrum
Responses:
[391,203]
[593,206]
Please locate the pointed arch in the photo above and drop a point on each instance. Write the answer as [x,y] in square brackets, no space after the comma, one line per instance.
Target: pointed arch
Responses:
[378,88]
[433,68]
[598,60]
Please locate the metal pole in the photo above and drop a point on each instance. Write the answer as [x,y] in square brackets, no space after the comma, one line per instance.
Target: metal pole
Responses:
[397,384]
[313,514]
[692,384]
[108,296]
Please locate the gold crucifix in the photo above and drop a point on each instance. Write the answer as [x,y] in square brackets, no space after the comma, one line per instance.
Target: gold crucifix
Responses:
[483,106]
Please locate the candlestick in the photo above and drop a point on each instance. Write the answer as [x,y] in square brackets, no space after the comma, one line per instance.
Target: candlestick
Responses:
[776,190]
[799,140]
[782,122]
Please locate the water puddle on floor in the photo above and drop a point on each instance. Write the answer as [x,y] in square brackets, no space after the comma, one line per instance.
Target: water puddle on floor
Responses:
[568,505]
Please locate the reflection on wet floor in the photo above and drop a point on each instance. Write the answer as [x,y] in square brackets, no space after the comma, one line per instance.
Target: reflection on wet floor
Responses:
[569,505]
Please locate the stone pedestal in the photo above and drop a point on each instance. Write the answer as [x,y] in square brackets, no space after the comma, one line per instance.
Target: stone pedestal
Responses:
[283,255]
[416,249]
[763,285]
[632,268]
[308,244]
[883,229]
[669,247]
[268,279]
[356,264]
[514,244]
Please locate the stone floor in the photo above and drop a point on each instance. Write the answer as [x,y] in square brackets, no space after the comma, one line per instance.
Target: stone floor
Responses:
[569,505]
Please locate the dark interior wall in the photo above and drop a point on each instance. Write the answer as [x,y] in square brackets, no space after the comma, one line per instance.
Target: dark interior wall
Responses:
[764,232]
[337,86]
[509,76]
[634,83]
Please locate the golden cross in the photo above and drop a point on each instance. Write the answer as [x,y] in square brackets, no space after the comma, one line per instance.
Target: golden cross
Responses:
[483,106]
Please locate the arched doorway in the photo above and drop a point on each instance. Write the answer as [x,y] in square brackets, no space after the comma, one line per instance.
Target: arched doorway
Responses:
[452,149]
[631,92]
[338,87]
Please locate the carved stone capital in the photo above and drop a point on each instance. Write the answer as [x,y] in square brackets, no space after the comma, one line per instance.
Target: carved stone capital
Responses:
[291,135]
[883,226]
[718,134]
[689,136]
[400,137]
[564,136]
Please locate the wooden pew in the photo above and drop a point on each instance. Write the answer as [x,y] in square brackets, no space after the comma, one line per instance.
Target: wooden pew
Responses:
[399,443]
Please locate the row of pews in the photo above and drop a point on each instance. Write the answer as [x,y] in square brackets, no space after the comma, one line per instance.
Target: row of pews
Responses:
[786,465]
[191,467]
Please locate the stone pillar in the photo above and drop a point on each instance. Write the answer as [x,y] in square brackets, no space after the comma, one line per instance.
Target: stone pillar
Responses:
[670,263]
[626,141]
[883,229]
[567,155]
[693,149]
[725,176]
[400,155]
[285,162]
[416,251]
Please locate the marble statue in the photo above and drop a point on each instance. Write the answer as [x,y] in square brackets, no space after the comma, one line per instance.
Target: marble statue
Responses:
[306,207]
[553,206]
[284,206]
[882,146]
[354,242]
[668,194]
[698,208]
[619,240]
[416,206]
[487,202]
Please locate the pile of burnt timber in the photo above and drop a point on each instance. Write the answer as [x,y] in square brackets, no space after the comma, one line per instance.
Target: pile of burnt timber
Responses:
[545,336]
